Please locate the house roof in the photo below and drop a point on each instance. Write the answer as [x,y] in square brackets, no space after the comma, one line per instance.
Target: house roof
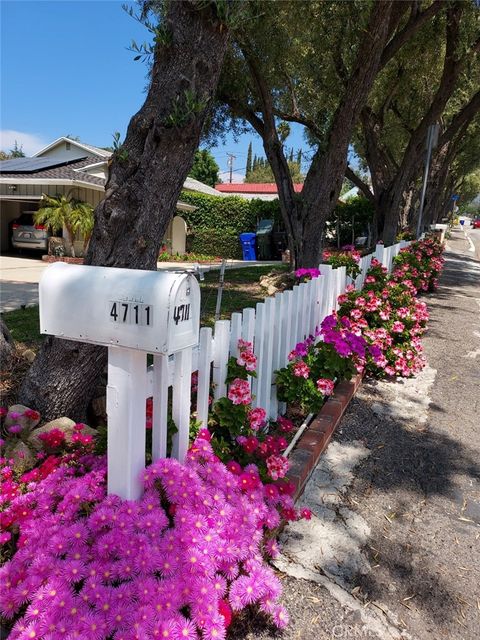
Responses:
[253,187]
[51,169]
[65,170]
[191,184]
[97,151]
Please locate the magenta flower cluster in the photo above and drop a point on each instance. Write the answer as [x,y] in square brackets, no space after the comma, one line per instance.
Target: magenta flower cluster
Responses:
[174,564]
[307,274]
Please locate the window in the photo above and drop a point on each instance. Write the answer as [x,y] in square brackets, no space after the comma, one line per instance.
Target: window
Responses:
[67,146]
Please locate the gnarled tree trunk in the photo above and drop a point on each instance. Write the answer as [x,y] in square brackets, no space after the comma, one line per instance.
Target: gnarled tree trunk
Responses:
[145,180]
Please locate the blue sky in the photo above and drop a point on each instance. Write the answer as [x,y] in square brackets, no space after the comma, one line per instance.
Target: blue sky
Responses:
[66,69]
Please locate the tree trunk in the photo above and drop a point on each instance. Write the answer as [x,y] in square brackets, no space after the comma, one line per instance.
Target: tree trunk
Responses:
[411,164]
[324,179]
[71,241]
[145,179]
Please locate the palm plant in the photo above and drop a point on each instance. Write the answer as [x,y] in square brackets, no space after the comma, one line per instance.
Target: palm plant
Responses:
[82,216]
[64,211]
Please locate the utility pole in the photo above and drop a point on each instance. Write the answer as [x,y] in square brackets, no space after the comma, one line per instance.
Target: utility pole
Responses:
[432,140]
[230,160]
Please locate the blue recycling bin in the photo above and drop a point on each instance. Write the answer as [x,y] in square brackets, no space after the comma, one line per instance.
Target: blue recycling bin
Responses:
[248,245]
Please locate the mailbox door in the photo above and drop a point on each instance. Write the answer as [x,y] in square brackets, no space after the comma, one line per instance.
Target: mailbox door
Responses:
[184,314]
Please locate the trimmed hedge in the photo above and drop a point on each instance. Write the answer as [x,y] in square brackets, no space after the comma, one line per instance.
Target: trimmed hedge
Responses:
[217,222]
[223,243]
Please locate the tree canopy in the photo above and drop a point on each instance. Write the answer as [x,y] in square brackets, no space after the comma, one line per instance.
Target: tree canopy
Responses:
[205,168]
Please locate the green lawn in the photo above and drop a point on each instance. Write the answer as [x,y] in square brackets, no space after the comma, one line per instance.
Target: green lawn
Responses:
[24,325]
[241,289]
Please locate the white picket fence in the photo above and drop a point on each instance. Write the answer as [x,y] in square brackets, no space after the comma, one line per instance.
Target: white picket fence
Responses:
[274,327]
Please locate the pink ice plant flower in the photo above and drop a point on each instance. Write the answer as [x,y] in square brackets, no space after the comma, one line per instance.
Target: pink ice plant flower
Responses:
[90,565]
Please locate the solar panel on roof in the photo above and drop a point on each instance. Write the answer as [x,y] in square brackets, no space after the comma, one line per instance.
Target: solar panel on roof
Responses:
[30,165]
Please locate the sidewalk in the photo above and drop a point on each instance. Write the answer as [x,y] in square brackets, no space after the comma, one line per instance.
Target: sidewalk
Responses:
[393,548]
[19,277]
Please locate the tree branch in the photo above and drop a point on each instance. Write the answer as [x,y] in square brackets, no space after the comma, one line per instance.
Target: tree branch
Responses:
[416,20]
[299,119]
[358,182]
[461,119]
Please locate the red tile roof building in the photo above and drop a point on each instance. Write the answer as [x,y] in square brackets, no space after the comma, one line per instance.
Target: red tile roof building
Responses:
[262,190]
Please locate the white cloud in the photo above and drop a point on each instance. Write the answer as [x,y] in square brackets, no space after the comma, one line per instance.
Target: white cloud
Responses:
[30,142]
[236,177]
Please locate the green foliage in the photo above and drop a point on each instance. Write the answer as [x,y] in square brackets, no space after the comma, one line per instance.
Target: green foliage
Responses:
[185,108]
[24,324]
[231,417]
[232,212]
[120,152]
[344,259]
[204,167]
[16,152]
[351,219]
[235,370]
[323,361]
[224,242]
[261,171]
[60,211]
[217,221]
[249,161]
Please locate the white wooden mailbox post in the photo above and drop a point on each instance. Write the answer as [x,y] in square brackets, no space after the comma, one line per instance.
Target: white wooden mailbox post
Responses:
[133,313]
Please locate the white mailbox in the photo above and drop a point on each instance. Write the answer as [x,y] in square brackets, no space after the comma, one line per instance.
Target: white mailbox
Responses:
[152,311]
[133,313]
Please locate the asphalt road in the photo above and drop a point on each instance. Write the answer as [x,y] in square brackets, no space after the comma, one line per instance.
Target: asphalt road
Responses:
[474,236]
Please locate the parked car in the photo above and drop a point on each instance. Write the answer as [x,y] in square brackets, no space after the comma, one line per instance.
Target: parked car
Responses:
[476,223]
[28,235]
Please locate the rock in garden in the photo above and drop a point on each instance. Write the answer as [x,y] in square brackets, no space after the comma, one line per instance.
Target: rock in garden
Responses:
[16,415]
[63,424]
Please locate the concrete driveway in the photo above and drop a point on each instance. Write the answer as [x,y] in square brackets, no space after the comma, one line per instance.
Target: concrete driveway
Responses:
[19,277]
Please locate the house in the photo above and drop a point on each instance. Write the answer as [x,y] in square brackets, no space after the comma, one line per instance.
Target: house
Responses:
[69,166]
[260,190]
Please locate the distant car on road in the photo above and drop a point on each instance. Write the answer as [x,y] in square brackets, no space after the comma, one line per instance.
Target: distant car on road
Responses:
[28,235]
[476,223]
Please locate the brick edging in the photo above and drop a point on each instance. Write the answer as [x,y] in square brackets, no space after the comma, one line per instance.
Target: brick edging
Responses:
[67,259]
[315,438]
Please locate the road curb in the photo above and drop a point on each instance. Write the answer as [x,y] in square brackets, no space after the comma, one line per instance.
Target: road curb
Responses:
[317,435]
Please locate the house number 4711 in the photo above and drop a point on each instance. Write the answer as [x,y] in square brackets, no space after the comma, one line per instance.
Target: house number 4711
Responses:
[131,313]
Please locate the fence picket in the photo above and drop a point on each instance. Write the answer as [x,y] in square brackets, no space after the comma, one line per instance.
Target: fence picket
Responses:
[204,367]
[221,345]
[181,401]
[248,324]
[160,407]
[277,348]
[287,327]
[235,332]
[294,314]
[304,311]
[258,349]
[264,386]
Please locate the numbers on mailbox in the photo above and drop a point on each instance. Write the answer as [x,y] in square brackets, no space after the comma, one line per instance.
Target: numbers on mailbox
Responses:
[181,313]
[131,313]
